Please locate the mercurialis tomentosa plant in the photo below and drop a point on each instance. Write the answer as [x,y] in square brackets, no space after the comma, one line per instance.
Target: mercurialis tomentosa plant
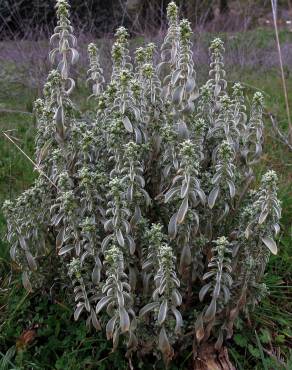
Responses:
[148,207]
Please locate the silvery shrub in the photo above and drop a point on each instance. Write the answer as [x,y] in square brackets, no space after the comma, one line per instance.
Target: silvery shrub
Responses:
[148,202]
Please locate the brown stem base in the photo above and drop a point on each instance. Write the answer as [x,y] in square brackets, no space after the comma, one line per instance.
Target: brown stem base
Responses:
[208,358]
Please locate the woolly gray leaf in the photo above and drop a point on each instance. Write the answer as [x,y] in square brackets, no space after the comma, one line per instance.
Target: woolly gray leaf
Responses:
[124,319]
[78,311]
[163,342]
[213,196]
[127,124]
[25,281]
[178,95]
[172,226]
[271,244]
[149,307]
[204,290]
[162,312]
[31,261]
[65,249]
[110,327]
[178,319]
[176,297]
[170,194]
[211,311]
[102,303]
[120,238]
[182,210]
[231,188]
[95,321]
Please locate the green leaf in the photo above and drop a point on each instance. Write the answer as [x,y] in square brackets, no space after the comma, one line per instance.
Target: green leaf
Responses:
[254,351]
[265,336]
[261,351]
[240,340]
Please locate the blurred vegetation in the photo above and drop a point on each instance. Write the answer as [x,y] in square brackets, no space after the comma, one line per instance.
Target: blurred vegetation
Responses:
[19,18]
[37,330]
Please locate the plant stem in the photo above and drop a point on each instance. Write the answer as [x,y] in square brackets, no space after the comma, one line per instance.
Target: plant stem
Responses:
[274,11]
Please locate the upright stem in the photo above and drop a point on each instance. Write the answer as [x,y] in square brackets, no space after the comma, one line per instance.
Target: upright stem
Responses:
[274,8]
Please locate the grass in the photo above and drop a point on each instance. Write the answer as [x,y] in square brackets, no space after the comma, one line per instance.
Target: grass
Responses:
[37,330]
